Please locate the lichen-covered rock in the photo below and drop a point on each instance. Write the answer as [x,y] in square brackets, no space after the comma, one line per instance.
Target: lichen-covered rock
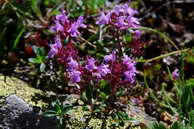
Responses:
[17,114]
[12,85]
[81,119]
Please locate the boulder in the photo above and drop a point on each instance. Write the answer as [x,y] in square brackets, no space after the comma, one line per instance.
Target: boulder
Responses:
[17,114]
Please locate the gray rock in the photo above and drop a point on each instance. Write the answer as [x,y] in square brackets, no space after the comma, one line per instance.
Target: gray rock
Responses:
[17,114]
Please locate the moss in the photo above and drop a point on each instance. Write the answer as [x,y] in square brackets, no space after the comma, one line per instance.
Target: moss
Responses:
[12,85]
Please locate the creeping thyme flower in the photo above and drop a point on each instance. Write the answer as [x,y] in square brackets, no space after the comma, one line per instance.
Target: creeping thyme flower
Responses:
[60,21]
[75,26]
[129,76]
[103,19]
[175,74]
[73,72]
[62,18]
[75,76]
[58,27]
[131,71]
[66,27]
[55,48]
[110,57]
[122,17]
[72,64]
[104,70]
[91,64]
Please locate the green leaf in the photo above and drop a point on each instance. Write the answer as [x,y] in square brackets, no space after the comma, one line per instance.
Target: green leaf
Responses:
[128,38]
[36,8]
[35,49]
[42,67]
[157,125]
[34,60]
[103,96]
[50,115]
[18,38]
[103,84]
[89,92]
[83,96]
[41,51]
[85,108]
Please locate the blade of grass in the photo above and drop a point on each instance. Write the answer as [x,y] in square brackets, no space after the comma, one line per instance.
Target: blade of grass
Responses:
[18,38]
[159,33]
[164,55]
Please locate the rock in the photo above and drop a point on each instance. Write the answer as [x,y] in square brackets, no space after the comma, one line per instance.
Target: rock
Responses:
[11,85]
[17,114]
[16,103]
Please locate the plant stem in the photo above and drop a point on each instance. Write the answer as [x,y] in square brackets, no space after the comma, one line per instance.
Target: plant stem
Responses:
[159,33]
[164,55]
[18,10]
[86,41]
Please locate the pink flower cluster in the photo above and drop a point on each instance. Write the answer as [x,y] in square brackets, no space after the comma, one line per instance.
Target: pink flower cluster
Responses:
[106,70]
[117,71]
[60,52]
[122,17]
[65,27]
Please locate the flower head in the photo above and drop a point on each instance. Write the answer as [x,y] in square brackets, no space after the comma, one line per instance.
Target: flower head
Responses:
[75,26]
[103,19]
[75,76]
[72,64]
[110,57]
[104,70]
[122,17]
[55,48]
[175,74]
[130,76]
[131,71]
[73,72]
[66,27]
[91,64]
[62,18]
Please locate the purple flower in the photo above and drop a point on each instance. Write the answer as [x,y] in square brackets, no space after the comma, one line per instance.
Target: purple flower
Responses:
[74,30]
[55,48]
[72,64]
[110,57]
[80,22]
[91,64]
[97,75]
[131,71]
[60,21]
[67,27]
[128,61]
[129,11]
[75,26]
[130,76]
[75,76]
[73,73]
[103,19]
[122,17]
[104,70]
[57,27]
[62,18]
[175,74]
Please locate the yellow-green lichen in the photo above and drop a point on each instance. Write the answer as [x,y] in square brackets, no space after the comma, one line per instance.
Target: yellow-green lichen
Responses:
[78,121]
[12,85]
